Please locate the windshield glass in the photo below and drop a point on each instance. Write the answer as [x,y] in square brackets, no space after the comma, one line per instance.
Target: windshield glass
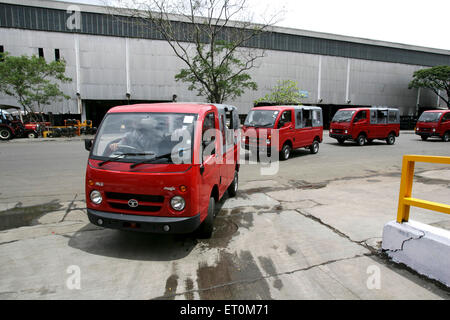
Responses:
[430,116]
[156,137]
[261,118]
[343,116]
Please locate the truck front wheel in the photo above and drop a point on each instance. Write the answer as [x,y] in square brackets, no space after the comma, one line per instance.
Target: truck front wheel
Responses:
[207,227]
[446,137]
[5,134]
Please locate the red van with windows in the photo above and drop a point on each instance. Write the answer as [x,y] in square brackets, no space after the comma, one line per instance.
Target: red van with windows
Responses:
[434,123]
[363,125]
[161,168]
[297,127]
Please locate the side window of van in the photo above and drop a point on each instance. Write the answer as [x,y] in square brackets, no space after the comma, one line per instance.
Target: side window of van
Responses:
[392,117]
[373,116]
[208,136]
[317,118]
[382,116]
[446,117]
[307,118]
[298,119]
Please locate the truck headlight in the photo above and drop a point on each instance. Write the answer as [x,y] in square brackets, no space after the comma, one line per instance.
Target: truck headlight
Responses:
[434,130]
[346,131]
[177,203]
[96,197]
[331,130]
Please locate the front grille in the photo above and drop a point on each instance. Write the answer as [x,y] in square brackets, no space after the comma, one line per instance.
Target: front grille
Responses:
[338,131]
[125,206]
[138,197]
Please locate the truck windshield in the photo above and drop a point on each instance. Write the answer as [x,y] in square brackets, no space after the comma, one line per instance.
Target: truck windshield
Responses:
[261,118]
[430,117]
[343,116]
[146,137]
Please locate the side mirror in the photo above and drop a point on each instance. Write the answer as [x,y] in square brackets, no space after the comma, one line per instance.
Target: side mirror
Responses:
[88,144]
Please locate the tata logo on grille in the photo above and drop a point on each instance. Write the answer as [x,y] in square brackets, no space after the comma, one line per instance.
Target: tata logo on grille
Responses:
[133,203]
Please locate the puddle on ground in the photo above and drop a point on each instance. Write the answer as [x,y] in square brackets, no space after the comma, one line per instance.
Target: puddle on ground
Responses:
[235,277]
[25,216]
[301,184]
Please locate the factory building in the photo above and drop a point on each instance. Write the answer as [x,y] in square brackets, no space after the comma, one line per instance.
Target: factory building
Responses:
[115,61]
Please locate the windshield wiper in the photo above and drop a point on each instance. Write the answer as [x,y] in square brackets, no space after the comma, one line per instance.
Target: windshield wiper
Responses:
[122,155]
[163,156]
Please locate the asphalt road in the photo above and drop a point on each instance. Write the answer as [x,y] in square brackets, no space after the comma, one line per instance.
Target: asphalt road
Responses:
[35,172]
[312,231]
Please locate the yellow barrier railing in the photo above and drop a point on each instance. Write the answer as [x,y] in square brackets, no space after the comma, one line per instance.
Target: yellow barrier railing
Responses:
[405,200]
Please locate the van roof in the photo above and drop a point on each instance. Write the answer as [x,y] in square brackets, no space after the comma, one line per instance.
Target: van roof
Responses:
[437,110]
[369,108]
[282,108]
[176,107]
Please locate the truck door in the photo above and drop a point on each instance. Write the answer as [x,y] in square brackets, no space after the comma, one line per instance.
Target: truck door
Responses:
[360,123]
[286,128]
[210,171]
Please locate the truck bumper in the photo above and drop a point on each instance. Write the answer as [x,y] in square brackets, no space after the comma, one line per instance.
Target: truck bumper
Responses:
[341,136]
[150,224]
[428,134]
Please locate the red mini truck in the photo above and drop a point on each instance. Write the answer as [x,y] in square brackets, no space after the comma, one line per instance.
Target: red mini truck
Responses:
[364,125]
[434,123]
[295,126]
[161,168]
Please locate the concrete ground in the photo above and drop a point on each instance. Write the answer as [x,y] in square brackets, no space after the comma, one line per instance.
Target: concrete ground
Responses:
[312,231]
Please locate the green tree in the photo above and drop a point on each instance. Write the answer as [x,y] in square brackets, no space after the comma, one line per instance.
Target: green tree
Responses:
[211,37]
[32,81]
[285,92]
[436,78]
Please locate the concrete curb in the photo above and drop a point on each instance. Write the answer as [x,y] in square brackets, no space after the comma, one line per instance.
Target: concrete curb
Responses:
[424,248]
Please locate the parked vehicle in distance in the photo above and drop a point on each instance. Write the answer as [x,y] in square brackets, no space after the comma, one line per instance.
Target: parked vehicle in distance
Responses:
[161,168]
[363,125]
[297,126]
[11,125]
[434,123]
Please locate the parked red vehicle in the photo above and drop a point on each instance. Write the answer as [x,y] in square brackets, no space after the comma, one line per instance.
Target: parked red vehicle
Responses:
[12,125]
[161,168]
[297,127]
[363,125]
[434,123]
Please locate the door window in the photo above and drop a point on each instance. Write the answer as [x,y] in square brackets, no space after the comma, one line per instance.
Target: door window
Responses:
[373,116]
[298,119]
[361,115]
[446,117]
[286,117]
[208,135]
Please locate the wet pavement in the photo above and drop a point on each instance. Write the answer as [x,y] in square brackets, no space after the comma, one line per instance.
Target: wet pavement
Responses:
[282,237]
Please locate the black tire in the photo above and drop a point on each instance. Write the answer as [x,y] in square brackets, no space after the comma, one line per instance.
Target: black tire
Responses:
[390,140]
[314,148]
[232,189]
[285,152]
[424,138]
[207,227]
[341,141]
[446,137]
[361,140]
[5,134]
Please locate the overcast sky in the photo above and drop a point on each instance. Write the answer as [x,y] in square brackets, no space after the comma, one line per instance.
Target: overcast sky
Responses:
[421,23]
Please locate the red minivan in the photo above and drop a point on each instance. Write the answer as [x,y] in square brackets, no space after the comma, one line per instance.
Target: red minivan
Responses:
[434,123]
[161,168]
[364,125]
[296,126]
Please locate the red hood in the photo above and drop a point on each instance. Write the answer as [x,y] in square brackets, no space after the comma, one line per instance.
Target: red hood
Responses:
[340,125]
[427,124]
